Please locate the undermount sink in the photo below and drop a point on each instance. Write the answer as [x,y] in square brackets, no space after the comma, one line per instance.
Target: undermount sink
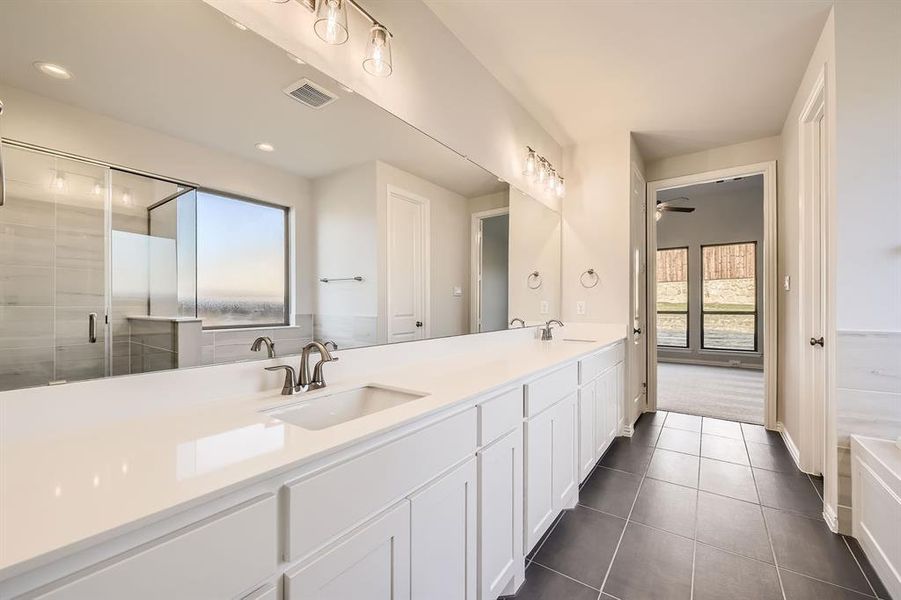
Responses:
[328,410]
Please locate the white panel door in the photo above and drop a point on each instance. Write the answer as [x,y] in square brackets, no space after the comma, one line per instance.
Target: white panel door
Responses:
[443,537]
[587,455]
[566,453]
[407,267]
[637,349]
[371,563]
[500,514]
[539,500]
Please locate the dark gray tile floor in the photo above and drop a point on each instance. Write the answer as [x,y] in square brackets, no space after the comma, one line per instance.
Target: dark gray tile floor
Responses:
[695,508]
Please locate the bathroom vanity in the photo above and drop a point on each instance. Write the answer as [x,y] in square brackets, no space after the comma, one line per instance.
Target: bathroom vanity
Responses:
[467,451]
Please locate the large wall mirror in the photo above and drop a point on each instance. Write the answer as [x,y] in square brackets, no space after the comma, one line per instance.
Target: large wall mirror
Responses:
[178,186]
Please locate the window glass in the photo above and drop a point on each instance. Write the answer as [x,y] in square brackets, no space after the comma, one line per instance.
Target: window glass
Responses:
[729,302]
[672,297]
[241,262]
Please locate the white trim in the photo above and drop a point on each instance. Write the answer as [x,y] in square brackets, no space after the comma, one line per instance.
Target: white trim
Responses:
[770,275]
[678,360]
[790,444]
[475,263]
[426,259]
[831,518]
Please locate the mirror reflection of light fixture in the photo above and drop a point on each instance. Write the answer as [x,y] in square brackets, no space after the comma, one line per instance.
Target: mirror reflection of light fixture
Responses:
[331,22]
[58,183]
[97,188]
[126,197]
[378,52]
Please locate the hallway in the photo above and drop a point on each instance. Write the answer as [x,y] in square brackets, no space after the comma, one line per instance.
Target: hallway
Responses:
[721,392]
[697,508]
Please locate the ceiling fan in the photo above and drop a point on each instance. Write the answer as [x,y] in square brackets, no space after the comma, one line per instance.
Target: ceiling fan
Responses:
[663,207]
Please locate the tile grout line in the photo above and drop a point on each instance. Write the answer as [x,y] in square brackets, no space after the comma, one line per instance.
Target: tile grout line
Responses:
[859,566]
[628,517]
[565,575]
[694,540]
[545,538]
[766,526]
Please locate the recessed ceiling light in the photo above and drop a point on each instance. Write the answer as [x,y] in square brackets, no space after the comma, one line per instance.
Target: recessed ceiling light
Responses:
[264,147]
[53,70]
[296,59]
[237,24]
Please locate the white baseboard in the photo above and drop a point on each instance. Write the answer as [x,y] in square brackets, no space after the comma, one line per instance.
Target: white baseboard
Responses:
[830,517]
[790,444]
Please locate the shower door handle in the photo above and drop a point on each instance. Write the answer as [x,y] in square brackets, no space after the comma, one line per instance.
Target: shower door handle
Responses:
[92,328]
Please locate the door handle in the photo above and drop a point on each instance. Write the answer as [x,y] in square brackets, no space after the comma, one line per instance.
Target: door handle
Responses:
[636,330]
[92,328]
[817,342]
[419,323]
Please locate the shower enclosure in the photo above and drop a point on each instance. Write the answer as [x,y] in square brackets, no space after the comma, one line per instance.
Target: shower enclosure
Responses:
[92,259]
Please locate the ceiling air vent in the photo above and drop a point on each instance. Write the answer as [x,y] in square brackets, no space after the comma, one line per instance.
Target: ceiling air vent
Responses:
[309,93]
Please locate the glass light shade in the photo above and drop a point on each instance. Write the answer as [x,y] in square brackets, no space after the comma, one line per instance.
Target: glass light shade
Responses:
[530,169]
[542,172]
[551,184]
[561,187]
[378,52]
[331,21]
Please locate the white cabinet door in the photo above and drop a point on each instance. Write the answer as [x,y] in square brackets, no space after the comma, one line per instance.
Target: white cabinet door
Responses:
[443,537]
[601,400]
[500,514]
[587,455]
[370,563]
[620,397]
[565,467]
[612,404]
[539,500]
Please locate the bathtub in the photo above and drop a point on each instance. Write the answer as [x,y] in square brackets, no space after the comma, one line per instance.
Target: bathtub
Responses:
[876,506]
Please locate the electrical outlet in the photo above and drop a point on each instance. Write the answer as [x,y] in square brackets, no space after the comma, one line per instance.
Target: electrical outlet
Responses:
[458,291]
[543,307]
[580,307]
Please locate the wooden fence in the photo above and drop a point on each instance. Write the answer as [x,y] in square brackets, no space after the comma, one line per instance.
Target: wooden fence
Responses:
[730,261]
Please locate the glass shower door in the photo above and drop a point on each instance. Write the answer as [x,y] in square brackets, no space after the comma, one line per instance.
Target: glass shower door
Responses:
[54,276]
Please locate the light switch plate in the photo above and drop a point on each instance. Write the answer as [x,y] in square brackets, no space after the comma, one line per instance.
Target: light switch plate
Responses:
[543,307]
[580,307]
[787,283]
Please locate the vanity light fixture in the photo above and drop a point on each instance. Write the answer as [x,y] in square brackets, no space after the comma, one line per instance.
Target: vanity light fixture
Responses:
[53,70]
[265,147]
[331,27]
[331,21]
[538,169]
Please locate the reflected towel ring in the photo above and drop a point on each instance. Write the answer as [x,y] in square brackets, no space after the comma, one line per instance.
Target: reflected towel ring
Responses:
[536,277]
[594,277]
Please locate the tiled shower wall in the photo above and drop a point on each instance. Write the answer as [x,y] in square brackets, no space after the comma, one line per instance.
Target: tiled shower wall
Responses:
[231,345]
[868,378]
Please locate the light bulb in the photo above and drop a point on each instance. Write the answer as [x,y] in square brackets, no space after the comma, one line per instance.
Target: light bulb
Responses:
[331,21]
[377,61]
[59,183]
[542,172]
[531,165]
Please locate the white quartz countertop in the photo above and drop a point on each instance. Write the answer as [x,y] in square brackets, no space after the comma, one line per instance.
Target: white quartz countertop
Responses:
[65,489]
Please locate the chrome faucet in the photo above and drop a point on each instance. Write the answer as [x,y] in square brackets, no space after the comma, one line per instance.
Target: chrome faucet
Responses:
[318,379]
[264,339]
[547,331]
[517,320]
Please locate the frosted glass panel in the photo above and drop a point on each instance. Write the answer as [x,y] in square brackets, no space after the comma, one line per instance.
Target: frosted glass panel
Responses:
[241,262]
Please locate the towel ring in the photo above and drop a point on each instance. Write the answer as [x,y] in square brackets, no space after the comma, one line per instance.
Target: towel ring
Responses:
[593,275]
[536,277]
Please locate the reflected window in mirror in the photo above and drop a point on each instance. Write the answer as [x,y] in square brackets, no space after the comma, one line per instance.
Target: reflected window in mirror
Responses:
[242,262]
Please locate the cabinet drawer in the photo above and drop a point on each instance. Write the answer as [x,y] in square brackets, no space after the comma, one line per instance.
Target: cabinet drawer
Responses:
[592,366]
[219,557]
[322,506]
[267,592]
[499,415]
[546,390]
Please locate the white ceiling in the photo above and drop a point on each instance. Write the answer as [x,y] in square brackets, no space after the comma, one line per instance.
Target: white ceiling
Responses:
[683,75]
[182,69]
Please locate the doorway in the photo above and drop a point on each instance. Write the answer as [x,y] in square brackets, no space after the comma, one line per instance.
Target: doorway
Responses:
[489,270]
[711,256]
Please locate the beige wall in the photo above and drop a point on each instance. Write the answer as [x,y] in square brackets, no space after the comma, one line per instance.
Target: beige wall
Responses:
[535,245]
[723,157]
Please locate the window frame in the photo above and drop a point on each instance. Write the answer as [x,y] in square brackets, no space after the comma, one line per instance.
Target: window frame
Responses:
[755,313]
[286,322]
[687,310]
